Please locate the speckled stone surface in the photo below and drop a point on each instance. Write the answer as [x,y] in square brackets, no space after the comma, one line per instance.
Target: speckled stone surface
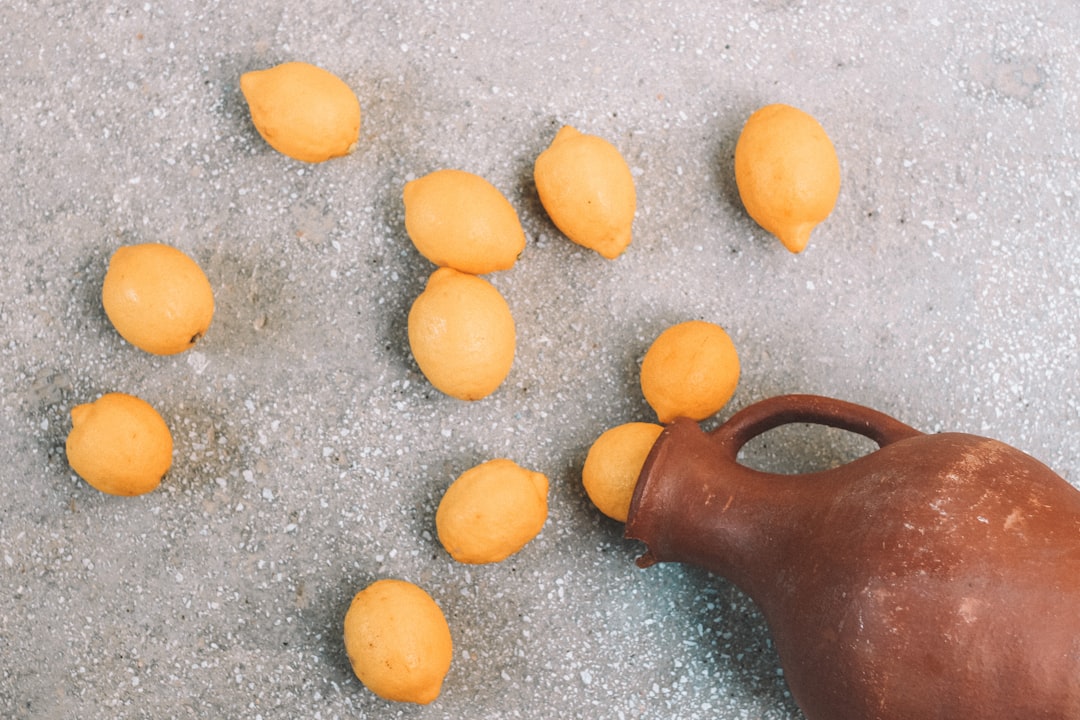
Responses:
[311,453]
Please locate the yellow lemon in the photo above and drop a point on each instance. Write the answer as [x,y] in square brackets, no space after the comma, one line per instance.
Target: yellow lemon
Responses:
[587,190]
[398,641]
[491,511]
[157,298]
[460,220]
[787,173]
[303,111]
[119,444]
[690,370]
[613,464]
[462,334]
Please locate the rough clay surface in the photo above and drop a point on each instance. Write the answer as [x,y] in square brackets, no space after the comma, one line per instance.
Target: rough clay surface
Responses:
[310,453]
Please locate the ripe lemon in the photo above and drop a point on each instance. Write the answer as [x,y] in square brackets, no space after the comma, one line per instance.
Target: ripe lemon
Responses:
[460,220]
[303,111]
[690,370]
[613,464]
[157,298]
[398,641]
[119,444]
[587,190]
[462,334]
[787,173]
[491,511]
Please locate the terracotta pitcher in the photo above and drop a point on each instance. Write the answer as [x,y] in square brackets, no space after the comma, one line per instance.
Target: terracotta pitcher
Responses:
[936,577]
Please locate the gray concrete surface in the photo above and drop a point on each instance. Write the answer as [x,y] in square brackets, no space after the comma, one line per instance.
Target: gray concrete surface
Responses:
[310,453]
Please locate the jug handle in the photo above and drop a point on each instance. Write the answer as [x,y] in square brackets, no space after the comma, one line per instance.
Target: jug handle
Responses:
[765,415]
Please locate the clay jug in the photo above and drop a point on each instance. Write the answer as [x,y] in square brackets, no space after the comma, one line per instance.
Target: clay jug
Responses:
[936,577]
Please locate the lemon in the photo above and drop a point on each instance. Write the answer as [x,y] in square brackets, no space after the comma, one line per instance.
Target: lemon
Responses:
[303,111]
[613,464]
[462,334]
[787,173]
[690,370]
[398,641]
[157,298]
[492,511]
[460,220]
[587,190]
[119,444]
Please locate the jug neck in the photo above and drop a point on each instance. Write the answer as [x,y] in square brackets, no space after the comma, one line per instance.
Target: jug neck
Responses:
[695,504]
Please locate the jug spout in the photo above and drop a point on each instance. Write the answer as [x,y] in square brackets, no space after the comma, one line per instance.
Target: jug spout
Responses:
[694,504]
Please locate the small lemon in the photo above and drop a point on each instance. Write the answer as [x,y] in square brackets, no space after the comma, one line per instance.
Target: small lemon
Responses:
[613,464]
[460,220]
[303,111]
[462,334]
[587,190]
[157,298]
[398,641]
[690,370]
[119,444]
[787,173]
[491,511]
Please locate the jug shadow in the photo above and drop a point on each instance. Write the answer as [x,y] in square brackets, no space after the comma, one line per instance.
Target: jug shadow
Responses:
[733,639]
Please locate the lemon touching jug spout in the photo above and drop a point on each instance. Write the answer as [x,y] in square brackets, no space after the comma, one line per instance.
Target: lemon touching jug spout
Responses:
[936,577]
